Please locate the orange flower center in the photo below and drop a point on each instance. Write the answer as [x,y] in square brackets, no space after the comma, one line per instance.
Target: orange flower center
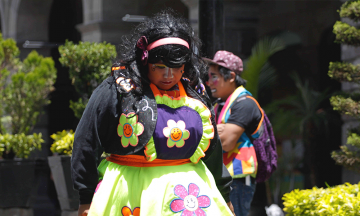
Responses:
[128,130]
[176,134]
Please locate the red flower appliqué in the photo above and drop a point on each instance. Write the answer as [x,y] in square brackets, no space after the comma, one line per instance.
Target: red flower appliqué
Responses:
[189,203]
[126,211]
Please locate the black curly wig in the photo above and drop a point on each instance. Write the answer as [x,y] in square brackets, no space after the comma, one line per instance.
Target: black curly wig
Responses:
[162,25]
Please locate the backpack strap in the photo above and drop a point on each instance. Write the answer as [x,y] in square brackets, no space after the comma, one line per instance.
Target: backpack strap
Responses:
[262,114]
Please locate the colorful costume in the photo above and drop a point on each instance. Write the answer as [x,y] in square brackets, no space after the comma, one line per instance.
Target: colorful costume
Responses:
[241,161]
[164,153]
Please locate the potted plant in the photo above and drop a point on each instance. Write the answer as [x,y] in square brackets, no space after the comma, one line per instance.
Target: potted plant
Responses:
[18,193]
[24,87]
[60,169]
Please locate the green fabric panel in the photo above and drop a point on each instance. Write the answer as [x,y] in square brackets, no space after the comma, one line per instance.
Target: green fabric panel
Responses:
[152,189]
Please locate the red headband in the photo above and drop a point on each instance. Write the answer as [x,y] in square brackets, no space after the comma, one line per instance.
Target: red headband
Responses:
[143,44]
[170,40]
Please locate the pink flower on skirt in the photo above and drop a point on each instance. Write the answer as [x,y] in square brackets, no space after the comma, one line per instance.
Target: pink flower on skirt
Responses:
[98,185]
[190,203]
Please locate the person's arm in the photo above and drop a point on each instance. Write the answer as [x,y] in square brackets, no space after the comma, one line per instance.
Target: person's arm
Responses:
[83,209]
[87,148]
[245,116]
[229,135]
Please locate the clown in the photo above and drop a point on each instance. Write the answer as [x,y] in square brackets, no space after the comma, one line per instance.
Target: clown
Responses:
[239,120]
[155,121]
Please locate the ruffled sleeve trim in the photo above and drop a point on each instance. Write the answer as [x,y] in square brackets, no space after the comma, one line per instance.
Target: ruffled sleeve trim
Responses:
[150,151]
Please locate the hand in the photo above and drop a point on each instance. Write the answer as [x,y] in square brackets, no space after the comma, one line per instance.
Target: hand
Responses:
[231,207]
[220,128]
[83,209]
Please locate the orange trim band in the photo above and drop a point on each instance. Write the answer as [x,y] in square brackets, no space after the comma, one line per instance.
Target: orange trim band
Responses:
[156,91]
[140,161]
[262,114]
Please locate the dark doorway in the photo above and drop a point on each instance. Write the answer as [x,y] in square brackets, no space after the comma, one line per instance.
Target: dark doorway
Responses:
[329,172]
[64,16]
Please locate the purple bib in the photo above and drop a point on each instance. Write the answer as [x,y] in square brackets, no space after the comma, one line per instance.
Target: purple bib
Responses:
[178,142]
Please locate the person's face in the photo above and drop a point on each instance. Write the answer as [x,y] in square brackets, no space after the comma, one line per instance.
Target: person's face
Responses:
[164,77]
[219,87]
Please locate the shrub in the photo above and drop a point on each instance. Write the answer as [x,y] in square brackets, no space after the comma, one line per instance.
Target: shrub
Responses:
[24,89]
[89,64]
[339,200]
[26,94]
[20,144]
[348,155]
[63,142]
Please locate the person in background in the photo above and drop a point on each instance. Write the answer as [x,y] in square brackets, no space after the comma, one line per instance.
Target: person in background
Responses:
[153,117]
[239,121]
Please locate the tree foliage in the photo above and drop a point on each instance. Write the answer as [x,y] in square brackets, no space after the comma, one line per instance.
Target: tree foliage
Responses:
[344,71]
[24,89]
[89,64]
[8,62]
[346,34]
[351,10]
[348,104]
[258,72]
[301,115]
[293,114]
[27,92]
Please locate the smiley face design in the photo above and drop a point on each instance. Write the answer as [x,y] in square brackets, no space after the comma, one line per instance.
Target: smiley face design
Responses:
[176,134]
[128,130]
[191,203]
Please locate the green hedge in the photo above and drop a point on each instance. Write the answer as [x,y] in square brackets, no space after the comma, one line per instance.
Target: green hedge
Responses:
[339,200]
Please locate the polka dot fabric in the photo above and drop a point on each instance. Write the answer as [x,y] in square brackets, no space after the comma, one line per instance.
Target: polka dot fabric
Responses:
[227,60]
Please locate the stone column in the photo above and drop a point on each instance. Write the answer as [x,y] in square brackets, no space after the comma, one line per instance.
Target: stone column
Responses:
[211,26]
[193,6]
[32,24]
[9,14]
[92,17]
[103,19]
